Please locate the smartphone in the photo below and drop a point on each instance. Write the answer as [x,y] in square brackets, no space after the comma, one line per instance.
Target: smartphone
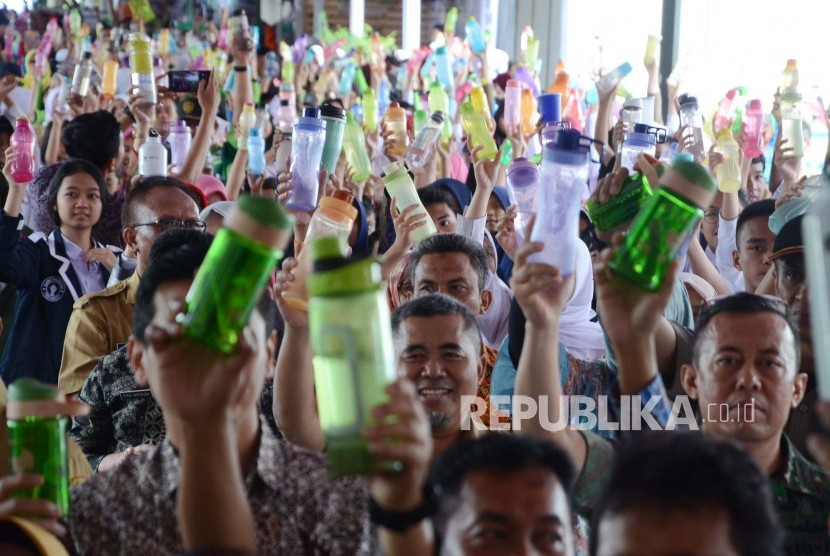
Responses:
[186,81]
[816,231]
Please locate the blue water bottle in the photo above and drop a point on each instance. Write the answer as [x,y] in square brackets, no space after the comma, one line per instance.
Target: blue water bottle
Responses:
[256,152]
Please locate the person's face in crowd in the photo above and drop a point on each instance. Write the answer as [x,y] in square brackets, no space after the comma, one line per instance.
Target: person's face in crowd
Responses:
[756,185]
[443,217]
[371,219]
[754,250]
[745,376]
[166,114]
[159,203]
[451,274]
[443,362]
[79,202]
[648,531]
[518,513]
[5,142]
[709,227]
[791,286]
[495,212]
[492,256]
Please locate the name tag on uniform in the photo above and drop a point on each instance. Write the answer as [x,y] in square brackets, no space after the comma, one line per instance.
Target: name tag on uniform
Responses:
[135,394]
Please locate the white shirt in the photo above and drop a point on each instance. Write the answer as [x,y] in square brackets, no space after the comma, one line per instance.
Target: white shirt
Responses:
[90,275]
[727,243]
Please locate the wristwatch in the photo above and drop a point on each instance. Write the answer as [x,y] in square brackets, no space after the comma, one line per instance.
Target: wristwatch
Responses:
[401,522]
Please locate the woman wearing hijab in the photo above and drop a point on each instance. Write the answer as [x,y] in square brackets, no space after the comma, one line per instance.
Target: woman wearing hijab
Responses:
[494,322]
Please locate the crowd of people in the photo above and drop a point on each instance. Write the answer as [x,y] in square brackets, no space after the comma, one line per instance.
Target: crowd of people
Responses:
[175,448]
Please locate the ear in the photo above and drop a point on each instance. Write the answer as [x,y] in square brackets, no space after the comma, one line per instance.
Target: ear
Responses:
[271,348]
[688,377]
[736,259]
[135,353]
[129,238]
[799,388]
[486,300]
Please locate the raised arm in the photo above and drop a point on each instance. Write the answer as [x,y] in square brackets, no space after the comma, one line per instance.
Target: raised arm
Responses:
[208,96]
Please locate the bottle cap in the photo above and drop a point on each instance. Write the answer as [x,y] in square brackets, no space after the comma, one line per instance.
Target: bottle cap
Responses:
[567,147]
[311,112]
[687,100]
[254,132]
[792,64]
[249,106]
[265,211]
[513,83]
[521,163]
[341,201]
[755,104]
[438,117]
[87,55]
[335,274]
[633,102]
[695,173]
[395,169]
[329,110]
[153,134]
[30,389]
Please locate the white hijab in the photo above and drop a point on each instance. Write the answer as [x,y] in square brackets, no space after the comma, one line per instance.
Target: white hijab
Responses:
[494,322]
[582,338]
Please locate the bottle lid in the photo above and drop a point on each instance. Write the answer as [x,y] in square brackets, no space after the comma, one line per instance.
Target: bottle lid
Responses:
[249,106]
[394,106]
[438,117]
[341,201]
[284,102]
[22,119]
[695,173]
[687,100]
[266,211]
[395,169]
[513,83]
[755,104]
[30,389]
[153,134]
[87,55]
[335,274]
[792,64]
[633,103]
[567,147]
[521,163]
[311,112]
[329,110]
[254,132]
[441,50]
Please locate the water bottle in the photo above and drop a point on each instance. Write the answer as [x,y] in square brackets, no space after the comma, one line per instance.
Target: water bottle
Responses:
[791,123]
[439,101]
[83,71]
[370,110]
[45,48]
[152,156]
[643,139]
[813,187]
[141,64]
[564,180]
[307,142]
[478,98]
[334,217]
[354,358]
[723,116]
[443,67]
[728,172]
[179,141]
[356,109]
[691,118]
[37,440]
[347,78]
[476,128]
[109,81]
[229,283]
[531,53]
[451,21]
[335,121]
[753,128]
[620,209]
[664,223]
[247,120]
[513,104]
[474,35]
[631,113]
[522,190]
[164,42]
[62,103]
[398,182]
[611,79]
[395,118]
[529,114]
[418,152]
[23,139]
[256,152]
[354,146]
[651,49]
[286,115]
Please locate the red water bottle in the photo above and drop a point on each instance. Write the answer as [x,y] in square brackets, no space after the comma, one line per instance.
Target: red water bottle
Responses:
[753,124]
[23,139]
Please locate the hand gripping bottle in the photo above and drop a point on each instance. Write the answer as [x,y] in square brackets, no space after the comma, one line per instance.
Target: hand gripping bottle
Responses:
[236,269]
[513,104]
[643,139]
[335,121]
[370,110]
[256,152]
[813,187]
[620,209]
[83,71]
[37,440]
[791,122]
[353,354]
[179,140]
[691,118]
[354,146]
[418,152]
[476,128]
[728,172]
[23,139]
[438,101]
[109,81]
[152,156]
[664,223]
[307,141]
[333,218]
[753,129]
[522,190]
[395,118]
[611,79]
[141,64]
[563,183]
[399,184]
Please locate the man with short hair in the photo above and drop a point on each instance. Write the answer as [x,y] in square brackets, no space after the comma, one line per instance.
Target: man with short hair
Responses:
[756,187]
[682,493]
[102,321]
[754,241]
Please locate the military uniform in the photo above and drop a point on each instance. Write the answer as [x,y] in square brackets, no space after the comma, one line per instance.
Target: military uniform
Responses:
[100,323]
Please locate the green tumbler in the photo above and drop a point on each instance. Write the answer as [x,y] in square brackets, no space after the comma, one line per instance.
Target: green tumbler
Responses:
[664,223]
[622,208]
[236,268]
[37,440]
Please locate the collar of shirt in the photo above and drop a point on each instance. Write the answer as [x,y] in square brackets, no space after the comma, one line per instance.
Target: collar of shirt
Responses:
[90,274]
[799,475]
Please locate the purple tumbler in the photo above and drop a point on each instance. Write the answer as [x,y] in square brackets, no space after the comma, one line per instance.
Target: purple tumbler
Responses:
[522,187]
[306,153]
[179,141]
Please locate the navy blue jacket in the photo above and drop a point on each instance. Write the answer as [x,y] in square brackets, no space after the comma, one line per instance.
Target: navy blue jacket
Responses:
[47,287]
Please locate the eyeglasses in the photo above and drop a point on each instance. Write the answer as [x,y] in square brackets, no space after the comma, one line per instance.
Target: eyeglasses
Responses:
[165,224]
[710,215]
